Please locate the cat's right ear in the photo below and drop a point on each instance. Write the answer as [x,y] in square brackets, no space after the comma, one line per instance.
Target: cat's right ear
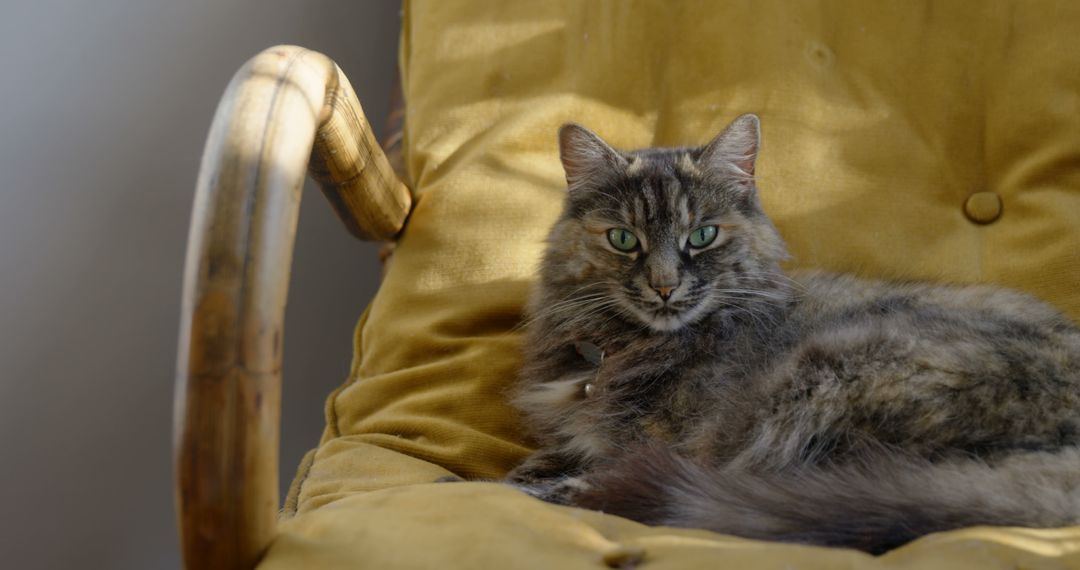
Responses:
[586,158]
[733,152]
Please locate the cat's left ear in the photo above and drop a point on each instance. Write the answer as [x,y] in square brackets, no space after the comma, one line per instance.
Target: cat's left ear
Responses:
[733,152]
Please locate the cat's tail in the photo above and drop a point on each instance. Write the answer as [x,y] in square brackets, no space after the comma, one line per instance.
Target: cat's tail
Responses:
[873,504]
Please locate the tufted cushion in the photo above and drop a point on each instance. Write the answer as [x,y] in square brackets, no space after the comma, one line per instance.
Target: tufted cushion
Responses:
[909,138]
[482,525]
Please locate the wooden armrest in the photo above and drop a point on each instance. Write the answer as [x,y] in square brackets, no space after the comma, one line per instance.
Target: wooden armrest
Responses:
[285,106]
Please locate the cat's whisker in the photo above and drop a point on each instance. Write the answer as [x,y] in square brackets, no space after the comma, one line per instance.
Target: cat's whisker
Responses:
[755,292]
[779,279]
[578,319]
[565,303]
[749,298]
[577,303]
[618,312]
[741,304]
[573,303]
[743,308]
[618,214]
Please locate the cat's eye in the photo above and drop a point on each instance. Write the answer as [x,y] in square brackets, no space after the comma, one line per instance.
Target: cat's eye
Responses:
[703,236]
[622,239]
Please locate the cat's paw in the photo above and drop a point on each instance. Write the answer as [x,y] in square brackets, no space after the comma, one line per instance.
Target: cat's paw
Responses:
[561,491]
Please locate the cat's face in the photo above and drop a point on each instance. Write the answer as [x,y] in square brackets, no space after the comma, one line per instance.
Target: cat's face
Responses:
[665,236]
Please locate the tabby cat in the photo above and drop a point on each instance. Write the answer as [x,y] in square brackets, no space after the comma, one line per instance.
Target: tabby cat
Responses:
[674,374]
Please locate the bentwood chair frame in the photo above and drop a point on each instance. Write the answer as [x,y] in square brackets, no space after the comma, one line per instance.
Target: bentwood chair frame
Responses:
[286,113]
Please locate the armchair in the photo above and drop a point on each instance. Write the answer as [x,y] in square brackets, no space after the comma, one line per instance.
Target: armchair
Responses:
[932,141]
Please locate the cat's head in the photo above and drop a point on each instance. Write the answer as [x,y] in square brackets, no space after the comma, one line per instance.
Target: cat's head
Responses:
[663,236]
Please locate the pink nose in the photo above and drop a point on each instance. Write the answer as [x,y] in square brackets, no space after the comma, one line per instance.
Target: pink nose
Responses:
[665,292]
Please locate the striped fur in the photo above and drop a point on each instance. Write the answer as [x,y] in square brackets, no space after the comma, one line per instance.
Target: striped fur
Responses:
[806,407]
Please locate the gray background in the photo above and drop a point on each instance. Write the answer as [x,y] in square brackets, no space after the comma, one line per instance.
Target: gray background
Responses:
[104,106]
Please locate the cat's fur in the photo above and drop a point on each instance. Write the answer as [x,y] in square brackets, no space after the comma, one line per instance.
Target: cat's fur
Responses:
[808,407]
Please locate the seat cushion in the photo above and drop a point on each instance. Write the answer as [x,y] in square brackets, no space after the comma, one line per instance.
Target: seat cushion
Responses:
[912,139]
[483,525]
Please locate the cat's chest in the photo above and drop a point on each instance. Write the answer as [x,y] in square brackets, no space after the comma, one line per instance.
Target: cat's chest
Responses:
[649,392]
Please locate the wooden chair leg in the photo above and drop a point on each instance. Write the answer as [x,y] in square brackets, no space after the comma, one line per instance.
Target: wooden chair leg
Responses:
[286,111]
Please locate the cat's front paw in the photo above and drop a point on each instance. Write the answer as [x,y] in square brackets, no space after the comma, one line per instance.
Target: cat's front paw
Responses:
[561,491]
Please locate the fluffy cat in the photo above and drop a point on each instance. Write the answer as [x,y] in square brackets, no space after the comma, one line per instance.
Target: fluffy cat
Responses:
[674,374]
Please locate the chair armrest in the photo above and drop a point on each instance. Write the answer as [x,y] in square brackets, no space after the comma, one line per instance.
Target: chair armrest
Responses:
[283,107]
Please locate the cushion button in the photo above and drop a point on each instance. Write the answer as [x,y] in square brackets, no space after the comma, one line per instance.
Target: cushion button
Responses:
[983,207]
[624,556]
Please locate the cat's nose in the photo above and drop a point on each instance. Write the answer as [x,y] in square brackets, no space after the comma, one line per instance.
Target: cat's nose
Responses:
[665,291]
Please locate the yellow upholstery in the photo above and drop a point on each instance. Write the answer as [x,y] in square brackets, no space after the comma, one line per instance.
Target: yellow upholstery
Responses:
[482,525]
[880,121]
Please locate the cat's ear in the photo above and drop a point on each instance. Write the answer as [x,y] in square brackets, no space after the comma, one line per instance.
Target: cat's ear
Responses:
[733,152]
[586,157]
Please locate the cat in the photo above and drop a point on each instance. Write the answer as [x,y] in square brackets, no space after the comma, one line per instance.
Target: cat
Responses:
[674,374]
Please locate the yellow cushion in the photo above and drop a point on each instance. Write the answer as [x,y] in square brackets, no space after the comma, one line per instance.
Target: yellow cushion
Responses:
[881,120]
[483,525]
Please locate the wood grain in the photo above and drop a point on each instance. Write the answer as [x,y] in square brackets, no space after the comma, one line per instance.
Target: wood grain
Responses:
[285,106]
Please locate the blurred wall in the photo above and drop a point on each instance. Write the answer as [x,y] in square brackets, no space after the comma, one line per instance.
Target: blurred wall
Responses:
[103,110]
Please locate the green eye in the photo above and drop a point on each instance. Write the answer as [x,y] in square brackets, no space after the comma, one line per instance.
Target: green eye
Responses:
[702,236]
[621,239]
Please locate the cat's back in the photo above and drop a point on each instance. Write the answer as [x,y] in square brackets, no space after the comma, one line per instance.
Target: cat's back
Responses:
[825,297]
[926,366]
[977,331]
